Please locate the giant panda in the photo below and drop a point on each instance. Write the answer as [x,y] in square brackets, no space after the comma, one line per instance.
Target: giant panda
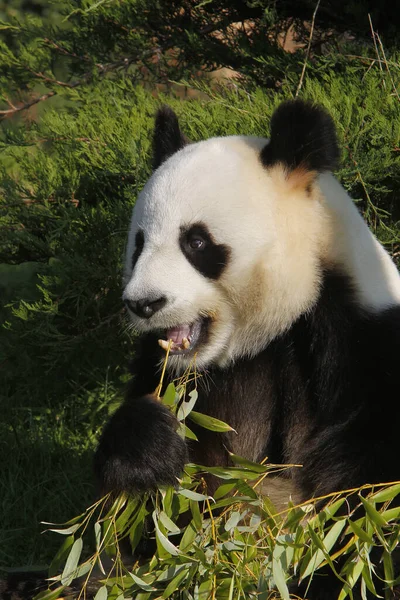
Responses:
[251,257]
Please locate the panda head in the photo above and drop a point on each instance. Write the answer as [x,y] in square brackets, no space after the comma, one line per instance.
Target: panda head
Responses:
[227,237]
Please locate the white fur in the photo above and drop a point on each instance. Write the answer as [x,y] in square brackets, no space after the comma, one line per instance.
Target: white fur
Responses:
[278,234]
[375,276]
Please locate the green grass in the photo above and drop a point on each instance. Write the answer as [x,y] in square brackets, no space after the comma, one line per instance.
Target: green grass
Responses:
[63,351]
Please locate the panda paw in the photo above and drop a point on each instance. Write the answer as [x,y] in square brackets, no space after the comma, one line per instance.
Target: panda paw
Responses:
[139,449]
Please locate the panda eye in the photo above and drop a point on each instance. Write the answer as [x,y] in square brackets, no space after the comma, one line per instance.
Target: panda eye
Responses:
[197,243]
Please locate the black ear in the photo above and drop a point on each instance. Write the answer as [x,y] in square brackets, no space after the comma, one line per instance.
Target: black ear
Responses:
[302,136]
[167,136]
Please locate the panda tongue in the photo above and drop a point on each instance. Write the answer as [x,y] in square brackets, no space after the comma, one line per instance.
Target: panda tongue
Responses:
[177,334]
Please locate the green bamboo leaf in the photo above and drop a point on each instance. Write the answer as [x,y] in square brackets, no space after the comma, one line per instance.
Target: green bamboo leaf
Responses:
[373,514]
[366,575]
[224,489]
[195,510]
[132,505]
[136,528]
[102,593]
[233,500]
[232,588]
[174,585]
[67,530]
[278,571]
[360,533]
[209,422]
[193,495]
[233,520]
[50,594]
[248,464]
[188,433]
[97,534]
[324,546]
[170,397]
[353,574]
[385,494]
[69,571]
[332,508]
[388,568]
[61,556]
[186,407]
[188,537]
[168,524]
[163,540]
[391,514]
[142,584]
[170,572]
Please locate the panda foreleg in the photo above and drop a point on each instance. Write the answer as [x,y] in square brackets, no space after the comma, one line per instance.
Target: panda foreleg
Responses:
[139,449]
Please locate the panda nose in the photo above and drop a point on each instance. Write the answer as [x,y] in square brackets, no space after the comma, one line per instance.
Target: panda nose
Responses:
[146,307]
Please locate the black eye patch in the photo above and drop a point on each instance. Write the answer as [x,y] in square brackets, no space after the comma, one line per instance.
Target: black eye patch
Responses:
[203,253]
[139,243]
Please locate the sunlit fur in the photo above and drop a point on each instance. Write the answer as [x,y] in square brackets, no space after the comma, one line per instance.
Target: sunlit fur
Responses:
[282,228]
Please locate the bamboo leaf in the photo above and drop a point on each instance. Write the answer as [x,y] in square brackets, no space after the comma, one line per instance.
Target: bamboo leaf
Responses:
[360,533]
[163,540]
[373,514]
[209,422]
[188,433]
[142,584]
[168,524]
[278,571]
[385,494]
[174,585]
[72,562]
[170,397]
[186,407]
[193,495]
[50,594]
[102,593]
[324,546]
[188,537]
[61,555]
[248,464]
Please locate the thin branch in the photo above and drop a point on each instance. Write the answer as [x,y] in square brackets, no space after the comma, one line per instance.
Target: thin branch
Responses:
[376,48]
[6,113]
[102,69]
[50,79]
[396,93]
[308,50]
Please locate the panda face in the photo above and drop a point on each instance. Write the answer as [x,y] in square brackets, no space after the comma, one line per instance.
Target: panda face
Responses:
[230,237]
[222,254]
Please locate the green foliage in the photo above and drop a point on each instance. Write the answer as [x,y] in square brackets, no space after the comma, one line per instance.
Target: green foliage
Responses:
[235,545]
[67,185]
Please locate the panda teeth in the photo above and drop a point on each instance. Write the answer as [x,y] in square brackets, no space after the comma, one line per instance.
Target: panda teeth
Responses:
[165,345]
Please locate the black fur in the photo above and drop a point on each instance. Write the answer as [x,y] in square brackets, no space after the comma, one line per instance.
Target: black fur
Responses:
[324,395]
[211,259]
[140,449]
[302,135]
[139,244]
[319,395]
[167,137]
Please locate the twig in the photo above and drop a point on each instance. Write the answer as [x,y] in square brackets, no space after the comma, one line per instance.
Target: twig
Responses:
[50,79]
[11,111]
[308,49]
[387,67]
[103,69]
[376,48]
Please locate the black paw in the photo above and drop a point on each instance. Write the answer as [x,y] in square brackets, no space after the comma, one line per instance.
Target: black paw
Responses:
[139,449]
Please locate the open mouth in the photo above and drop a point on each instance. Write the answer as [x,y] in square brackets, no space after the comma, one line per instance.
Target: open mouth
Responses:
[182,338]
